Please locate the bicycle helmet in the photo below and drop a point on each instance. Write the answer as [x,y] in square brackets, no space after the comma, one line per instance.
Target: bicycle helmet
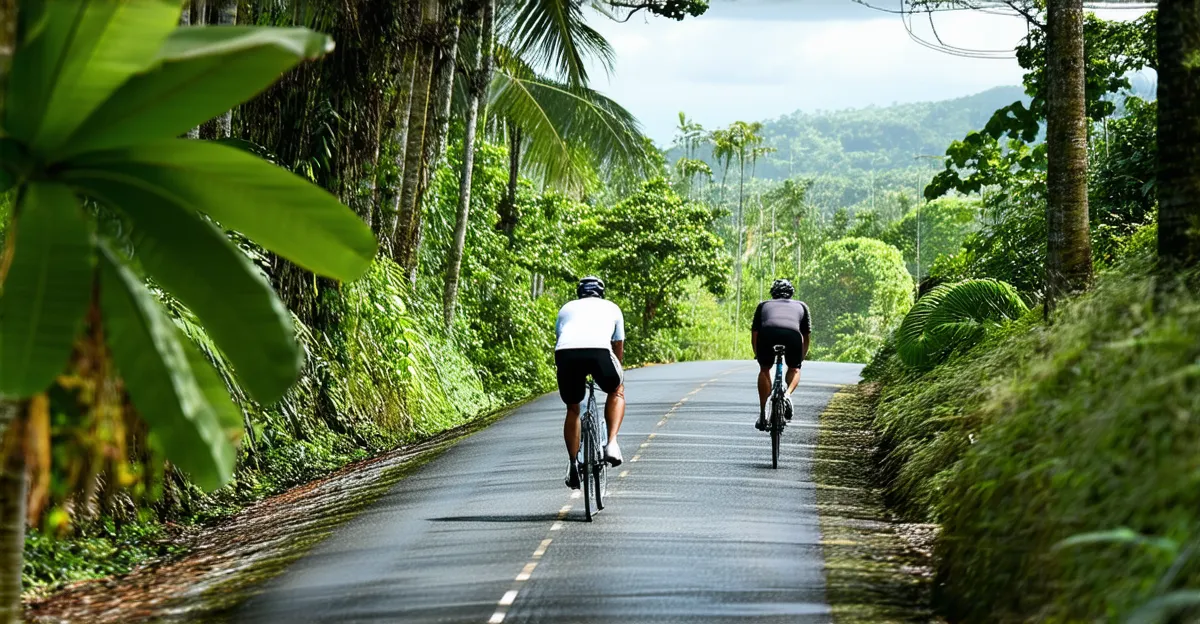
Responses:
[782,289]
[590,286]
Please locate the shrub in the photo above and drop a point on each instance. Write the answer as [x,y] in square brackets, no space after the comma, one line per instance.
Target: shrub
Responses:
[859,289]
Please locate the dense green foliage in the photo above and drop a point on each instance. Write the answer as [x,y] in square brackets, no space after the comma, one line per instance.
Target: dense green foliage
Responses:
[936,229]
[650,247]
[858,291]
[1056,452]
[1041,433]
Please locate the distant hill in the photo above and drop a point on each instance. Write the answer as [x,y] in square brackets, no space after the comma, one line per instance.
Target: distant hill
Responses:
[879,138]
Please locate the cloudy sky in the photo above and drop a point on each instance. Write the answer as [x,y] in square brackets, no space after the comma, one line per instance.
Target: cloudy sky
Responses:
[758,59]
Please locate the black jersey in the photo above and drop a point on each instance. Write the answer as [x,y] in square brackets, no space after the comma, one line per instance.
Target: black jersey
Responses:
[782,314]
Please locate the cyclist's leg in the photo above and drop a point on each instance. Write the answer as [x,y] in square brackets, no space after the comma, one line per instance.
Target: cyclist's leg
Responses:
[571,430]
[611,379]
[793,379]
[793,358]
[764,387]
[572,387]
[614,411]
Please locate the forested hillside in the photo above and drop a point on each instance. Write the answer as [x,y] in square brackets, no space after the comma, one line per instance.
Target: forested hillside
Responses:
[874,138]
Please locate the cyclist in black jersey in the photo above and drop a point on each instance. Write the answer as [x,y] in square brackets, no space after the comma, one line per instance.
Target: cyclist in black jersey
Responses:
[779,321]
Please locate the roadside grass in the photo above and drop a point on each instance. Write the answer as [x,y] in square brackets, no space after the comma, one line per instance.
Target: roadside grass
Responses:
[1060,459]
[874,568]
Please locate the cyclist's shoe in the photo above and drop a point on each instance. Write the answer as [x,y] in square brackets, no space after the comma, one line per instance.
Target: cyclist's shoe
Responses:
[761,424]
[572,479]
[612,454]
[787,408]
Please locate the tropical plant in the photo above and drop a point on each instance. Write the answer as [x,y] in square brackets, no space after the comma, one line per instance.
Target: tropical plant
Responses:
[954,316]
[855,277]
[91,150]
[648,247]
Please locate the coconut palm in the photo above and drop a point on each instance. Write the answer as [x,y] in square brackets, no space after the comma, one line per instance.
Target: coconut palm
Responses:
[536,113]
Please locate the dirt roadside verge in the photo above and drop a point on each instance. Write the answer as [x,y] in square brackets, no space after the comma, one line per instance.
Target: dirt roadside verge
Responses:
[222,565]
[876,570]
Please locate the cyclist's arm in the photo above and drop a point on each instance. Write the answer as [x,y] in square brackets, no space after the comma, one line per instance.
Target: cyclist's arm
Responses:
[754,342]
[618,347]
[806,330]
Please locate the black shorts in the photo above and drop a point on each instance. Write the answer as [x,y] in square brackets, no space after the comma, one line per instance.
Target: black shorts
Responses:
[792,340]
[574,365]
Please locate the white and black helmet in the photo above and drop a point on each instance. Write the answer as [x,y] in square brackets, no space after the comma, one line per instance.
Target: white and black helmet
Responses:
[590,286]
[782,289]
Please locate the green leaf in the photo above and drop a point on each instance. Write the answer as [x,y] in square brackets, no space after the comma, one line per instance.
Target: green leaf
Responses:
[953,316]
[229,415]
[202,73]
[197,263]
[47,289]
[170,394]
[277,209]
[565,125]
[1122,535]
[912,344]
[75,56]
[1164,608]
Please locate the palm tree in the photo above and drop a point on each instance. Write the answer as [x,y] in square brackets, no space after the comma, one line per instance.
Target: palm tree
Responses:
[1069,249]
[483,13]
[1178,136]
[537,113]
[791,197]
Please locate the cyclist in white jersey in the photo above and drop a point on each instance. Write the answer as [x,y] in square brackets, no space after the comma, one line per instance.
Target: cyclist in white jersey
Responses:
[591,341]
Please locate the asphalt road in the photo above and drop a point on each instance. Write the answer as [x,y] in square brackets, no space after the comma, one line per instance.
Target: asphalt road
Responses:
[697,527]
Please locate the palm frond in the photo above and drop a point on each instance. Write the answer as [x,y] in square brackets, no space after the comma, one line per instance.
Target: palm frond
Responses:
[954,316]
[566,128]
[553,36]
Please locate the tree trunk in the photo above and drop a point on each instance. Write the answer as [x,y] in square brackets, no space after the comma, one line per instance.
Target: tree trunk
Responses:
[1069,248]
[508,205]
[443,89]
[387,212]
[197,17]
[8,41]
[226,16]
[13,493]
[480,79]
[1178,135]
[737,264]
[409,220]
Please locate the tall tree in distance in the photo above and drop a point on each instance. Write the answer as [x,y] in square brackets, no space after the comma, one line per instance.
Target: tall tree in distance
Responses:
[1069,248]
[1178,134]
[483,15]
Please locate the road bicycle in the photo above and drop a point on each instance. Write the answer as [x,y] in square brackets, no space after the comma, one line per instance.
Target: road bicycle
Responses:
[593,438]
[778,418]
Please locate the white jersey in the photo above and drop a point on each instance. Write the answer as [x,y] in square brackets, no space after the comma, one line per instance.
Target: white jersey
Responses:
[589,323]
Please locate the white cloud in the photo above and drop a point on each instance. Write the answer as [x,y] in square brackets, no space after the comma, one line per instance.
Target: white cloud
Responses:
[724,66]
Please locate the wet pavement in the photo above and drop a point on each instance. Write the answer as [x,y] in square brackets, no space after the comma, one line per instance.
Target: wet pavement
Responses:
[697,526]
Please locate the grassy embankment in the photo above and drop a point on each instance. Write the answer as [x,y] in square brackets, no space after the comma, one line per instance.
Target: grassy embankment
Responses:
[1060,459]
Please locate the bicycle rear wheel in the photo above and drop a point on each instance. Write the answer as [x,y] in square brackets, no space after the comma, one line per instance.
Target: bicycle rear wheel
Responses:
[776,431]
[600,473]
[586,477]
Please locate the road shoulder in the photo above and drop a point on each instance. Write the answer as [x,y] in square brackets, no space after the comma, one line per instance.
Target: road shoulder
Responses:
[223,565]
[877,570]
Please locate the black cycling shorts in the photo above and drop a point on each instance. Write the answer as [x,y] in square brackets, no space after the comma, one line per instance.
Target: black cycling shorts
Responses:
[792,340]
[574,365]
